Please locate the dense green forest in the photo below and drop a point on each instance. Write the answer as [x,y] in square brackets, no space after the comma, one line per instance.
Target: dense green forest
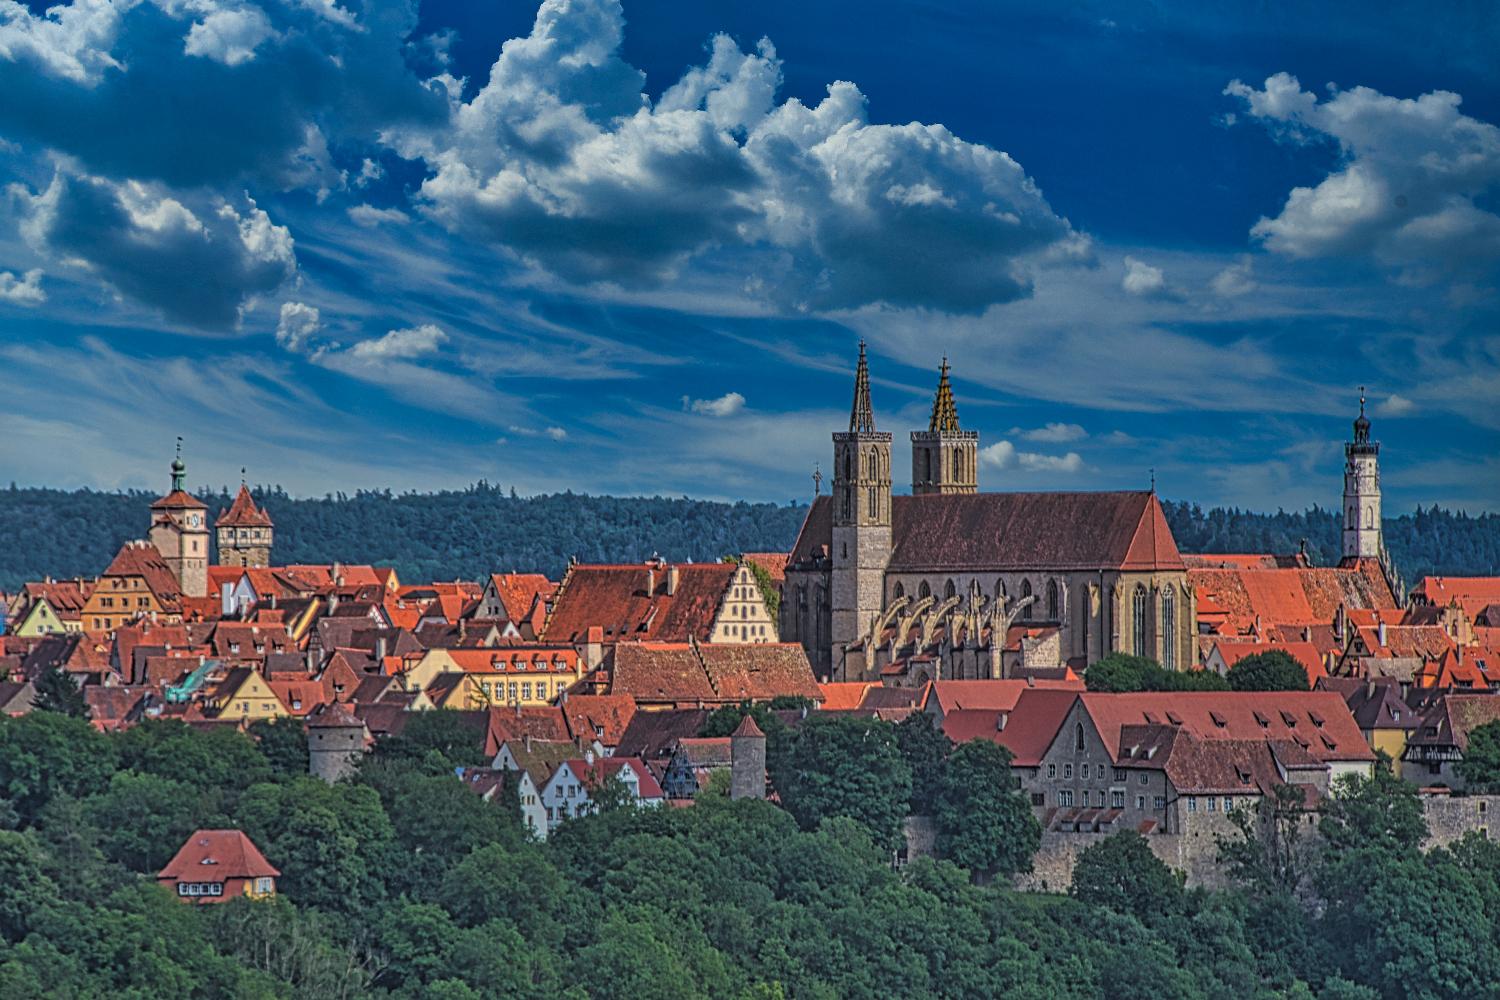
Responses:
[402,883]
[483,529]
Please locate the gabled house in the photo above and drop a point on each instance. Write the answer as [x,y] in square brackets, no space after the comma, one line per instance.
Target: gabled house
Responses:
[574,786]
[49,608]
[536,761]
[1436,747]
[246,695]
[215,866]
[684,674]
[510,597]
[659,602]
[139,583]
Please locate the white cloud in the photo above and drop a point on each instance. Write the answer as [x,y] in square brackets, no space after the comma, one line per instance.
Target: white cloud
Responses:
[1408,191]
[1054,433]
[1000,455]
[23,291]
[1071,462]
[369,172]
[70,41]
[1142,279]
[229,36]
[369,216]
[200,263]
[297,324]
[1396,405]
[411,342]
[1235,280]
[561,159]
[724,406]
[555,433]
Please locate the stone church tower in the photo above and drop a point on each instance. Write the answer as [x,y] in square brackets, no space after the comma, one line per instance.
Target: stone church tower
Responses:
[1362,491]
[944,458]
[244,532]
[179,530]
[861,519]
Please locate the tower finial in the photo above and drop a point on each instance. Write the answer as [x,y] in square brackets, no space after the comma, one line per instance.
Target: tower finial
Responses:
[1362,422]
[862,415]
[179,470]
[944,412]
[1153,480]
[817,480]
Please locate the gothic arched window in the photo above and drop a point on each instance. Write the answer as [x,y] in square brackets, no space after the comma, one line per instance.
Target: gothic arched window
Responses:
[1025,593]
[1369,517]
[1077,736]
[924,591]
[1169,629]
[950,590]
[1052,601]
[898,591]
[1138,620]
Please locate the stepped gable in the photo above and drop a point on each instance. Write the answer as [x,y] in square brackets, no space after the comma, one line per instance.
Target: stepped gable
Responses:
[630,602]
[1014,531]
[243,513]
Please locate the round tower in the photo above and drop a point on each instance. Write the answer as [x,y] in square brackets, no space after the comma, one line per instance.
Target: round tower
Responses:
[335,743]
[747,761]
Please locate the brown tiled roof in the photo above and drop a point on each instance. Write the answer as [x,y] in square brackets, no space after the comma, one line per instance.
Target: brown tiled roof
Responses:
[66,597]
[1309,596]
[540,722]
[333,716]
[708,751]
[517,592]
[541,758]
[588,713]
[1375,703]
[774,563]
[614,598]
[710,673]
[243,513]
[178,499]
[224,854]
[1450,720]
[1014,531]
[143,560]
[651,735]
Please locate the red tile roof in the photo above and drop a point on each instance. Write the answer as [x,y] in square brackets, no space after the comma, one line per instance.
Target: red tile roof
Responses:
[540,722]
[1014,531]
[601,769]
[1288,596]
[844,695]
[604,717]
[1472,593]
[774,563]
[66,597]
[178,499]
[141,559]
[243,513]
[615,598]
[710,673]
[1304,653]
[518,591]
[217,855]
[1027,730]
[999,696]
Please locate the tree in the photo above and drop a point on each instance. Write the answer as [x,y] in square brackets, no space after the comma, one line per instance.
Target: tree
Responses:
[442,739]
[1273,670]
[1123,672]
[221,759]
[44,754]
[983,821]
[1266,853]
[1480,767]
[56,691]
[845,766]
[143,819]
[925,749]
[283,742]
[28,890]
[1122,874]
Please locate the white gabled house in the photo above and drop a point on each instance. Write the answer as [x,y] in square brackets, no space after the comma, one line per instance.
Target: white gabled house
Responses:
[569,792]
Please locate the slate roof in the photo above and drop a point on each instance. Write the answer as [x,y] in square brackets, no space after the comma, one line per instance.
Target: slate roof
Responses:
[1375,703]
[216,856]
[651,735]
[615,598]
[1451,718]
[1013,531]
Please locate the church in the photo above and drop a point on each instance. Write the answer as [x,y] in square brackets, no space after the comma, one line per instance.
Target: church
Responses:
[949,583]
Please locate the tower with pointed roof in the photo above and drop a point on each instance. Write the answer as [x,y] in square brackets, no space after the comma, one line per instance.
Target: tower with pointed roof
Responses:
[179,530]
[944,457]
[861,519]
[1362,491]
[244,532]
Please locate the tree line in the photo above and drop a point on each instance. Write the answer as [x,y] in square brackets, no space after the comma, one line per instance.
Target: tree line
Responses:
[484,528]
[402,883]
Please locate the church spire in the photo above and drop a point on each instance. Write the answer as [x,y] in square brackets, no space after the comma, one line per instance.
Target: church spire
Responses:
[944,413]
[179,470]
[861,415]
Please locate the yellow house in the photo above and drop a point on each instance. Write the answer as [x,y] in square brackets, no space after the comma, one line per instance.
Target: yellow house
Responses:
[138,583]
[41,620]
[508,675]
[244,694]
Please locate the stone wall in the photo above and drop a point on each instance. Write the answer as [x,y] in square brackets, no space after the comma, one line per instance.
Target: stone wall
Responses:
[1449,817]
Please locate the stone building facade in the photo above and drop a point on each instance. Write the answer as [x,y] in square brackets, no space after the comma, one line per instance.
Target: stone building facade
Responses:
[179,530]
[244,532]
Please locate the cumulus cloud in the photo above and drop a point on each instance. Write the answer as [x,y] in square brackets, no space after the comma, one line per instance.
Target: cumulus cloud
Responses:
[1003,455]
[70,41]
[411,342]
[199,264]
[297,324]
[562,160]
[1142,279]
[369,216]
[228,36]
[1235,280]
[1054,433]
[724,406]
[1414,187]
[23,291]
[1396,405]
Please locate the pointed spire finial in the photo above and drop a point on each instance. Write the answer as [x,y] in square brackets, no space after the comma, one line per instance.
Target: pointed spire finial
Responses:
[817,480]
[944,412]
[1153,480]
[1361,400]
[179,470]
[862,415]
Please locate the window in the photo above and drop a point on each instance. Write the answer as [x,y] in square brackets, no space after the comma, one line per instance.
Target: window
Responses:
[1052,602]
[1083,771]
[1192,801]
[262,885]
[1138,620]
[1067,771]
[1213,804]
[1078,736]
[1140,802]
[898,591]
[949,590]
[1143,779]
[1065,797]
[1025,593]
[1051,770]
[1117,798]
[1119,774]
[1228,803]
[1169,629]
[526,690]
[1161,802]
[924,591]
[1038,799]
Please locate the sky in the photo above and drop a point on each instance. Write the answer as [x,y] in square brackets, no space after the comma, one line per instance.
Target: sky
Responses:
[633,248]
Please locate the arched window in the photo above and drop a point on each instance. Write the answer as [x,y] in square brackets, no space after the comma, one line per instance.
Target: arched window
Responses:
[1169,629]
[871,468]
[1369,517]
[848,464]
[950,590]
[898,591]
[1138,620]
[924,591]
[1026,613]
[1077,736]
[1052,601]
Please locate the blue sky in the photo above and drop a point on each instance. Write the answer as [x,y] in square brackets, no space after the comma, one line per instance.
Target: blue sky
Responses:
[632,249]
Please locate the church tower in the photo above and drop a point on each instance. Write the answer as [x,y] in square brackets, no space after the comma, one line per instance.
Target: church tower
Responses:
[943,457]
[861,520]
[244,532]
[179,530]
[1362,491]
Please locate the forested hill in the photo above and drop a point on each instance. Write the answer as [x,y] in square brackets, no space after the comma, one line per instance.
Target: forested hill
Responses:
[483,529]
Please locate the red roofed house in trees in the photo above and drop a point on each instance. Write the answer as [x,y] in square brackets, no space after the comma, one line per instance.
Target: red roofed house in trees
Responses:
[218,865]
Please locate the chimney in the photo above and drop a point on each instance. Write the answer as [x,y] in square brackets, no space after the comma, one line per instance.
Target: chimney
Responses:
[528,743]
[1380,632]
[671,580]
[650,582]
[1338,624]
[380,647]
[1370,687]
[273,602]
[333,602]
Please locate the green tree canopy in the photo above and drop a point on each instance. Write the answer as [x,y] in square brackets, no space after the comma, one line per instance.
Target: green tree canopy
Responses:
[983,821]
[1273,670]
[1121,873]
[845,766]
[1480,767]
